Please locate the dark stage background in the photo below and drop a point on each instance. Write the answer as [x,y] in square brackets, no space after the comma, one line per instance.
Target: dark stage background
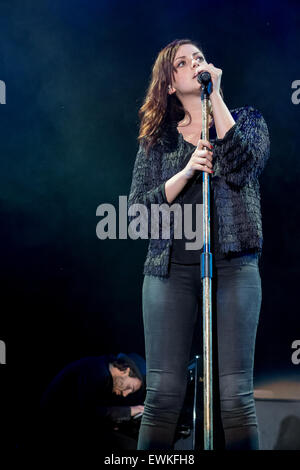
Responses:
[75,74]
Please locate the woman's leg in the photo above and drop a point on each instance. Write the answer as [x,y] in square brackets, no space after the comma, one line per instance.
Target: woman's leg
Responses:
[238,308]
[169,312]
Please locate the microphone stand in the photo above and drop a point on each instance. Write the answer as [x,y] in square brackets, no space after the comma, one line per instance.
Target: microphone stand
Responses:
[206,275]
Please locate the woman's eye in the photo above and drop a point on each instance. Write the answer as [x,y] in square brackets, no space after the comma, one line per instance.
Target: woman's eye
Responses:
[199,59]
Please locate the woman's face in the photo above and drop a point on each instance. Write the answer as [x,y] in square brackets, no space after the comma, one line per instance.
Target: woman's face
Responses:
[186,62]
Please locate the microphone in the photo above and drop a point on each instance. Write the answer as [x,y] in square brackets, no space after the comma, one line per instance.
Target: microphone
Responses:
[204,78]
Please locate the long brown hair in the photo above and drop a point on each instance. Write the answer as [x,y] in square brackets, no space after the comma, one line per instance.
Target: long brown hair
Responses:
[159,106]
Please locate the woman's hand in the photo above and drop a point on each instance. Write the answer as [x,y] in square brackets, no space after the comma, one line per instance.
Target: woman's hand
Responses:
[216,75]
[200,160]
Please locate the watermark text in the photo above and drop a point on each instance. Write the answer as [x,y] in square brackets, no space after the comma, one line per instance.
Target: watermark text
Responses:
[2,92]
[2,352]
[296,354]
[155,221]
[296,94]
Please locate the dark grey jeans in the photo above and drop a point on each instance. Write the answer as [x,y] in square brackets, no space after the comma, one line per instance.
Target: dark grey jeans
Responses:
[170,309]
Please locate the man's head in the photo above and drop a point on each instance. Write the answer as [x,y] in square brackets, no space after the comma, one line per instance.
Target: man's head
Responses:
[127,376]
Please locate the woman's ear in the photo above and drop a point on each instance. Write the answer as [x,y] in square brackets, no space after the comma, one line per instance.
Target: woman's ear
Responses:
[171,90]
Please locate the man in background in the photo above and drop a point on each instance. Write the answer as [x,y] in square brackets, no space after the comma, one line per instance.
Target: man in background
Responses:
[89,402]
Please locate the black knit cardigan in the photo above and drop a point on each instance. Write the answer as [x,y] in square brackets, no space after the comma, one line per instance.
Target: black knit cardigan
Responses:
[238,160]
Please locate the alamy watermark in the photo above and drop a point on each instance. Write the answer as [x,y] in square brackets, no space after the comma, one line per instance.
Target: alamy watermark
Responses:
[153,222]
[2,92]
[2,352]
[296,94]
[296,354]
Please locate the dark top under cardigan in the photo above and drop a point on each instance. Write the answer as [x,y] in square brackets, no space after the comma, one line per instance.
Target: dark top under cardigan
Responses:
[238,160]
[192,196]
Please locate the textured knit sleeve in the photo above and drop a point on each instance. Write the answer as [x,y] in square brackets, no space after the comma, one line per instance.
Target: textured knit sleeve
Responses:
[146,187]
[242,154]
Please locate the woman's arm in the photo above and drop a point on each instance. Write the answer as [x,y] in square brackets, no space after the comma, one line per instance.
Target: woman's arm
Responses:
[146,186]
[175,185]
[201,160]
[144,173]
[222,118]
[242,154]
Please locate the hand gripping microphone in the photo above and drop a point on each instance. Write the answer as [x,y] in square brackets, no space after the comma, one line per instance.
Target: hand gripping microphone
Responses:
[204,78]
